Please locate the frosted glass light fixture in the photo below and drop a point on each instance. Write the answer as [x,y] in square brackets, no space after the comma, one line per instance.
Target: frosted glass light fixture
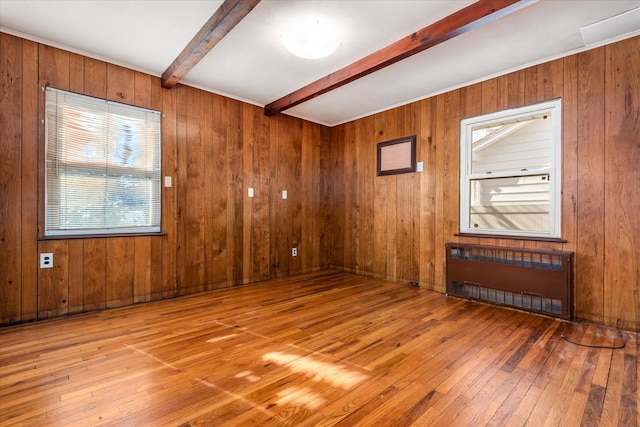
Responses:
[310,38]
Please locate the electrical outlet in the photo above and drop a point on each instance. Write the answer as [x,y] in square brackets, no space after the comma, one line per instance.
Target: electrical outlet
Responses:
[46,260]
[294,251]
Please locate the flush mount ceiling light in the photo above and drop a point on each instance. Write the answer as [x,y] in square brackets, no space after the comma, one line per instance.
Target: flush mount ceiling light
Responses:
[310,38]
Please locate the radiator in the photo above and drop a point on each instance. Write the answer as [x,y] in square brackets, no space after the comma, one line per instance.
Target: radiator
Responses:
[535,280]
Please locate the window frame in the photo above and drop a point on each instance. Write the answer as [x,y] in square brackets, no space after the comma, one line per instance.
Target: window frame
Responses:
[155,183]
[554,171]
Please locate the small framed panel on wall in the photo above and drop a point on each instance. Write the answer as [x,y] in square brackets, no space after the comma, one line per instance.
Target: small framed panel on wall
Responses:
[397,156]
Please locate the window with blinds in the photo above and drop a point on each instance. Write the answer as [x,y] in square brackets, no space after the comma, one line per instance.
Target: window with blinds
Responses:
[510,172]
[102,166]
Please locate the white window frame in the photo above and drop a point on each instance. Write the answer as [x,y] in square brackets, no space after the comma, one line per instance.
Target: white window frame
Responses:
[554,108]
[55,132]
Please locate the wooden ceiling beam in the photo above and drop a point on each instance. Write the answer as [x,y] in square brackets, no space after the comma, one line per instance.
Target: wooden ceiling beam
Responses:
[466,19]
[227,16]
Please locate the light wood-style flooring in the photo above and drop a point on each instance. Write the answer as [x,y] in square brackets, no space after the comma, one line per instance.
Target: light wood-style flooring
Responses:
[321,349]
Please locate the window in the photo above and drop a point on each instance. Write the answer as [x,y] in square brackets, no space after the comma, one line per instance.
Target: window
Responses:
[510,172]
[102,168]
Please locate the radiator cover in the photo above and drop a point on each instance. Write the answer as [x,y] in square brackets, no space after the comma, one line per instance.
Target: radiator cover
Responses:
[535,280]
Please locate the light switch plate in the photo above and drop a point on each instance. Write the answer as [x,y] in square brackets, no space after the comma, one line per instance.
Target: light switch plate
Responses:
[250,192]
[284,194]
[167,181]
[419,167]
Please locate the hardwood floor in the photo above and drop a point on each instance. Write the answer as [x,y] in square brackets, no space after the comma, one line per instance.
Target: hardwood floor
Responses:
[327,348]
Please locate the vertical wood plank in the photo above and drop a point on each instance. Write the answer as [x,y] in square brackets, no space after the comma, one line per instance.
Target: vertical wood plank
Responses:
[169,245]
[262,150]
[159,245]
[76,276]
[621,189]
[53,283]
[76,73]
[351,239]
[120,84]
[516,89]
[366,162]
[550,80]
[337,207]
[95,274]
[427,196]
[448,129]
[208,190]
[95,78]
[570,153]
[194,214]
[309,189]
[326,224]
[379,190]
[29,175]
[234,193]
[142,269]
[489,97]
[219,166]
[182,187]
[11,87]
[590,196]
[120,260]
[142,90]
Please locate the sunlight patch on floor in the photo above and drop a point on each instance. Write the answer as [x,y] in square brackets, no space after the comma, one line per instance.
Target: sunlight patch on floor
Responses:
[300,396]
[337,375]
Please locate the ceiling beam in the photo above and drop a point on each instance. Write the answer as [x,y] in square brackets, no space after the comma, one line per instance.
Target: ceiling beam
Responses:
[466,19]
[227,16]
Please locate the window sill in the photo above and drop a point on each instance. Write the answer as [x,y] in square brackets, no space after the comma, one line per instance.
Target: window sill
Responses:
[507,237]
[99,236]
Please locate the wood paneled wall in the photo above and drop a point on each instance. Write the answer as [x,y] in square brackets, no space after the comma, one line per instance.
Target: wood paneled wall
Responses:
[214,148]
[338,212]
[396,227]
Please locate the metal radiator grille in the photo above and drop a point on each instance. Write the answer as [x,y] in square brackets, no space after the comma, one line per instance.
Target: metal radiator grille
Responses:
[552,307]
[535,280]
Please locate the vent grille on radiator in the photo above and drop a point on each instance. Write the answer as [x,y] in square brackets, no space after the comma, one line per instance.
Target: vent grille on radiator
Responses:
[535,280]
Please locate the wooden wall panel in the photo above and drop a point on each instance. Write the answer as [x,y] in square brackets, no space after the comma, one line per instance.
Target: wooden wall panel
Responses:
[600,200]
[75,251]
[95,78]
[120,262]
[211,148]
[591,175]
[29,176]
[234,192]
[193,186]
[366,163]
[94,274]
[427,201]
[120,84]
[338,212]
[53,283]
[164,250]
[621,184]
[10,179]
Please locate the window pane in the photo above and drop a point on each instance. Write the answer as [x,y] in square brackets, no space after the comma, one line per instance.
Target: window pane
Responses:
[517,146]
[102,167]
[510,204]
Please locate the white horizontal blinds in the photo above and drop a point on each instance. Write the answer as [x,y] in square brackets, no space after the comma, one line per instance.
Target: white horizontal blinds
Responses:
[102,166]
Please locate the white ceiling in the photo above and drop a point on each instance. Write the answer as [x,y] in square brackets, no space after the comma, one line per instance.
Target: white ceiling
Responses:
[250,63]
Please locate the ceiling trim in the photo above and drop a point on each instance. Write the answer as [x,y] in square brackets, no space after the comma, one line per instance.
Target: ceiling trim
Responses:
[227,16]
[460,22]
